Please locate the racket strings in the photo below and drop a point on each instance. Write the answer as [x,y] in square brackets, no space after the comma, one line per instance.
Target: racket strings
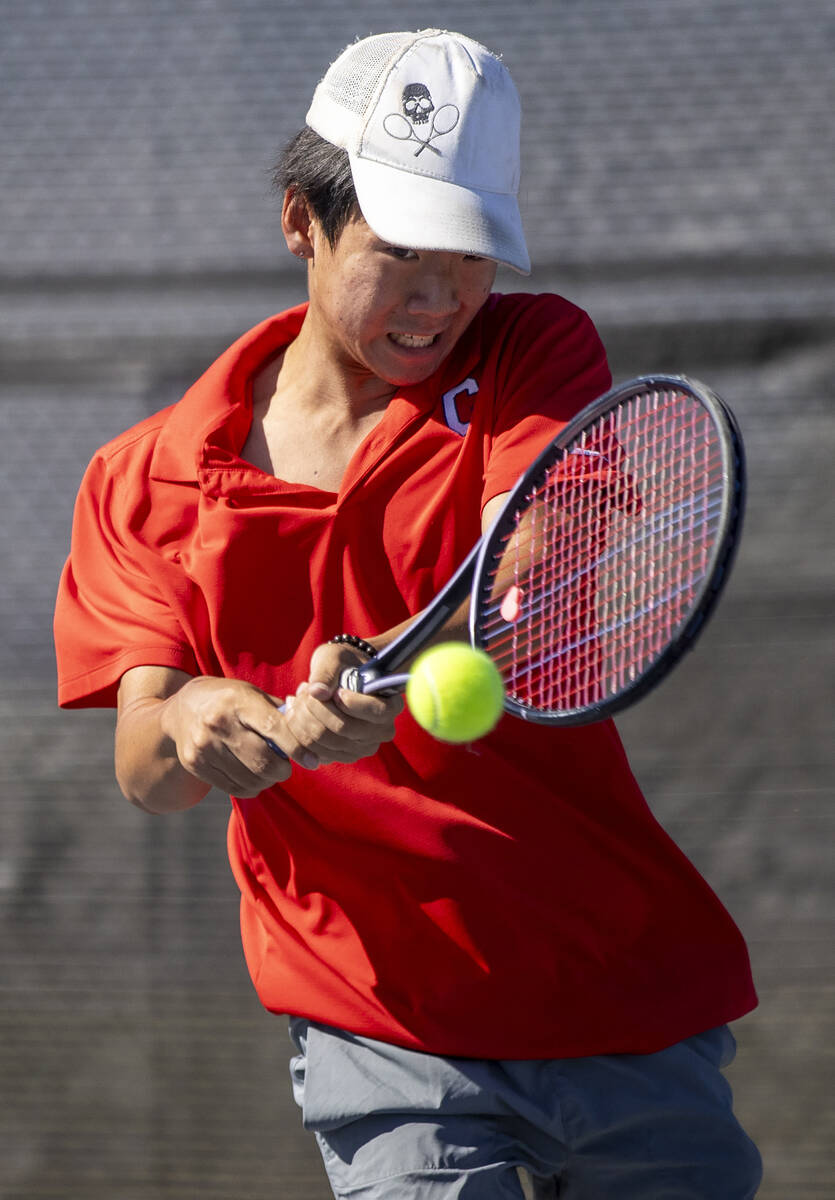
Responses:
[607,554]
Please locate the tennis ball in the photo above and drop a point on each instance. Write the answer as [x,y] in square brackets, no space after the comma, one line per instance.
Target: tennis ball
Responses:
[455,692]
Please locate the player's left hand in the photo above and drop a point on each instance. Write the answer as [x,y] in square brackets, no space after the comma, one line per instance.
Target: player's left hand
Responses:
[336,725]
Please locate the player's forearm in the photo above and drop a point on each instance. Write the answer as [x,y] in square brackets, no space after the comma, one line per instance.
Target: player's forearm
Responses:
[148,770]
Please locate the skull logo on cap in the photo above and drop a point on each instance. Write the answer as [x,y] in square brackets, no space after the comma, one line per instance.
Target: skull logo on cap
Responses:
[418,107]
[417,103]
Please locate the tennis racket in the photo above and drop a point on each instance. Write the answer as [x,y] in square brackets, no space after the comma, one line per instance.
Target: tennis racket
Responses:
[605,561]
[443,122]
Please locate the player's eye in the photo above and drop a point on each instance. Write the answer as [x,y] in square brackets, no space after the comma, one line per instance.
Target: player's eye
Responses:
[402,253]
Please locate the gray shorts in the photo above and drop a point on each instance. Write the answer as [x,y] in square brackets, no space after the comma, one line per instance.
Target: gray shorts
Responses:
[402,1125]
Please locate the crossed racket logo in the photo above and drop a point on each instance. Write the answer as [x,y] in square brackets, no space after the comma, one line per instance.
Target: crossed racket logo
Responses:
[417,108]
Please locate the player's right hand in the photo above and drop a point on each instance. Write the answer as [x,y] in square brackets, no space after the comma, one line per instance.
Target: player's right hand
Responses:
[221,729]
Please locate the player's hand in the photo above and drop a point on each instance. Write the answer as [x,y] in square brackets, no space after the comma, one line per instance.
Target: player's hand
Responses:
[221,727]
[332,723]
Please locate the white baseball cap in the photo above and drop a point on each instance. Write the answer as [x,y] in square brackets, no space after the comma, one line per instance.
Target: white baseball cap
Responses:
[430,122]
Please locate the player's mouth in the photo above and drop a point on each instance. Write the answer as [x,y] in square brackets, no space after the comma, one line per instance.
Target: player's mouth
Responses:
[414,341]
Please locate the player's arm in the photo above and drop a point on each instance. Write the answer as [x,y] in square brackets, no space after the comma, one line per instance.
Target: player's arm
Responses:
[177,736]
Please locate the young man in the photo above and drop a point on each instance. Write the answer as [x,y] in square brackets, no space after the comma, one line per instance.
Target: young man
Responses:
[503,978]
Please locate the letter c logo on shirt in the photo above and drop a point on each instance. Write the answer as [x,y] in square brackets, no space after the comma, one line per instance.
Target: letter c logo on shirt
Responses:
[452,412]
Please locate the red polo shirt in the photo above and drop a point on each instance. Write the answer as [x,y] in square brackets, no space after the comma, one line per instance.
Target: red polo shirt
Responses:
[512,899]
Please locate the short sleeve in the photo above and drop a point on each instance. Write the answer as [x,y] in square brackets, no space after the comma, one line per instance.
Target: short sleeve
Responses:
[110,614]
[551,365]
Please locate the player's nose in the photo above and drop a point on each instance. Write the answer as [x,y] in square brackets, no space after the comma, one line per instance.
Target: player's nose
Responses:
[436,291]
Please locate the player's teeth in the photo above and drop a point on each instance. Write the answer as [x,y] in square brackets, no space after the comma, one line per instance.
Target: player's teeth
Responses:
[412,339]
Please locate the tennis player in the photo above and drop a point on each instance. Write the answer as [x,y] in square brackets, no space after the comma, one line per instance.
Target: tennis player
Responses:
[503,979]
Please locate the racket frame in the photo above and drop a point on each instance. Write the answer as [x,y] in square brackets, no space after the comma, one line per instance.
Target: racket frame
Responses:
[716,573]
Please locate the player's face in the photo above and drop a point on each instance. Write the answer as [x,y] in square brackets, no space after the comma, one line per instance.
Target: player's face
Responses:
[391,312]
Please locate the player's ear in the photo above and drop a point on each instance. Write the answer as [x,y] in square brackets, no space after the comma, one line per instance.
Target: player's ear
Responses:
[296,220]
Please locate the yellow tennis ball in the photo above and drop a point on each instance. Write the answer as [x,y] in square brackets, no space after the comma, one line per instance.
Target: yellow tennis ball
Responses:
[455,692]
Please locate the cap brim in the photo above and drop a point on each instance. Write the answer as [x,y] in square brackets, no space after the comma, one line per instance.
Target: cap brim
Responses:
[423,213]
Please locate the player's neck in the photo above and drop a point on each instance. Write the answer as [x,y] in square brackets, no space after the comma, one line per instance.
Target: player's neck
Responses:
[307,423]
[316,380]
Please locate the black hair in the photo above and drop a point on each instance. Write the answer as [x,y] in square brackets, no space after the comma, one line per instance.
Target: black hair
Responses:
[321,173]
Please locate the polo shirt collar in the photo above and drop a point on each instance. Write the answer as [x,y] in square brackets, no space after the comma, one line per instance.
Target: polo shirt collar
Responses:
[213,400]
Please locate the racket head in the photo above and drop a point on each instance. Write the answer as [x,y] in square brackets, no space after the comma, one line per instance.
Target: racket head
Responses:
[445,119]
[611,551]
[397,126]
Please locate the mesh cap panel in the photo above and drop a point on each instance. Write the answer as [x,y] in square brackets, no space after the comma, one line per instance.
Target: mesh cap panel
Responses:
[353,78]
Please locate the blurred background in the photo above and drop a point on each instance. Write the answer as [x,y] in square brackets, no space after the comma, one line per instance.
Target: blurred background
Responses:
[679,183]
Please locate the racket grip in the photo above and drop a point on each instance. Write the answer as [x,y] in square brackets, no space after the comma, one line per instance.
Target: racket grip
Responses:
[277,749]
[351,680]
[367,679]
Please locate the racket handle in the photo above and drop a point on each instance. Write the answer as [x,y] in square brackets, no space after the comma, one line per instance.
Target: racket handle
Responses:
[275,749]
[366,679]
[351,680]
[354,679]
